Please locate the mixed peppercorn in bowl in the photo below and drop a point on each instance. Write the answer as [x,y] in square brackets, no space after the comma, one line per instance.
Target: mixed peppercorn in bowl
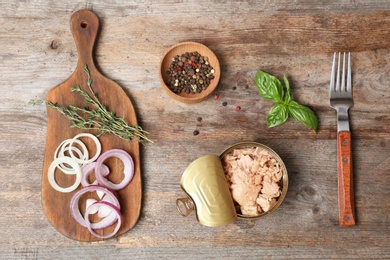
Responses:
[189,72]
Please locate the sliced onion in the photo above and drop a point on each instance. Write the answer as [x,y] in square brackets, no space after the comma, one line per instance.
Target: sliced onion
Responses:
[113,208]
[88,203]
[98,148]
[100,194]
[58,149]
[75,210]
[77,171]
[78,163]
[128,170]
[104,211]
[88,169]
[65,146]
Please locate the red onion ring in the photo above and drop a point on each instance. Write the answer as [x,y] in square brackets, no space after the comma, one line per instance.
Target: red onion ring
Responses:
[102,212]
[128,170]
[117,215]
[88,203]
[75,210]
[88,169]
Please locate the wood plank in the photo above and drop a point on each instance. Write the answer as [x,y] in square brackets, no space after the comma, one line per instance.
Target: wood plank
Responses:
[295,38]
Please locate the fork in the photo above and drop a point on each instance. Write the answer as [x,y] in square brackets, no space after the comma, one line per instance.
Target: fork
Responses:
[341,100]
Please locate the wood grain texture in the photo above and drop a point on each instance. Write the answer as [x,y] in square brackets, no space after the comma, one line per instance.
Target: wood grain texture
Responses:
[282,37]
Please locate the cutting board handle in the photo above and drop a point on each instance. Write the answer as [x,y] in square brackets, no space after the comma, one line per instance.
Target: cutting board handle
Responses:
[84,25]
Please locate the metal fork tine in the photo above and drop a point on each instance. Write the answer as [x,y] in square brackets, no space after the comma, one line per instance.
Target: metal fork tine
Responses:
[349,80]
[332,76]
[338,74]
[339,81]
[342,87]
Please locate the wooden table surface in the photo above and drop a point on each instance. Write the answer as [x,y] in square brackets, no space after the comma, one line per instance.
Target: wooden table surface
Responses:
[292,38]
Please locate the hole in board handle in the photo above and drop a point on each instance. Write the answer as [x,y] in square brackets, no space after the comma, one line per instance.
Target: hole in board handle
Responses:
[83,25]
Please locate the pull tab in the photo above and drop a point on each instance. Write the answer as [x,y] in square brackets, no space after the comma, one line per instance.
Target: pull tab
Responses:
[84,25]
[187,203]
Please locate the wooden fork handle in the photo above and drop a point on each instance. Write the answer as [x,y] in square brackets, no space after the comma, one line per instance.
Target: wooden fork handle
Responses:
[345,180]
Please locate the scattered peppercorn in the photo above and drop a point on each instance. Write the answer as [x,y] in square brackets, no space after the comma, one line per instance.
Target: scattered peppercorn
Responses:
[238,108]
[196,132]
[234,88]
[199,119]
[224,104]
[189,73]
[216,96]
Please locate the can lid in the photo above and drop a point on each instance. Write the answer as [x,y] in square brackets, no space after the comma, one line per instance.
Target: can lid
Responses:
[208,192]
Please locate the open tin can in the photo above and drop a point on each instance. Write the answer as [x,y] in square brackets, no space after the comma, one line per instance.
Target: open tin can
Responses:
[208,192]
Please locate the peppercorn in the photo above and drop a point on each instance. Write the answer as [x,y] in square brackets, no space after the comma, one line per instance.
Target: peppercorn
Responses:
[238,108]
[196,132]
[189,73]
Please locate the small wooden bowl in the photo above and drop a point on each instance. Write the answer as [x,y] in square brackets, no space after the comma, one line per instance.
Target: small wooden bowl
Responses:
[180,49]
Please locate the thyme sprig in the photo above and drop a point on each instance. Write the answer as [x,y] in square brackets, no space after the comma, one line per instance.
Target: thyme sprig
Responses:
[99,118]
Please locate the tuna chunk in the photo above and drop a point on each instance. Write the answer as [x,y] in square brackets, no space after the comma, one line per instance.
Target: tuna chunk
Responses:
[265,203]
[270,189]
[245,193]
[253,175]
[249,210]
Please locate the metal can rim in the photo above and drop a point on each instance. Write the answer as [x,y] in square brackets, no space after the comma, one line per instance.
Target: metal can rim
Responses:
[284,175]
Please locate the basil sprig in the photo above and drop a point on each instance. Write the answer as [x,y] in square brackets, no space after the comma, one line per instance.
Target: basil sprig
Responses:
[271,88]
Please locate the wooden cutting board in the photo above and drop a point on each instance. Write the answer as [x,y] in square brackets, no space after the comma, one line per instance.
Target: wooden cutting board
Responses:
[84,25]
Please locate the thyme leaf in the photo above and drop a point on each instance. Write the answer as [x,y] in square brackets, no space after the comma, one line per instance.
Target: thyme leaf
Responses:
[98,118]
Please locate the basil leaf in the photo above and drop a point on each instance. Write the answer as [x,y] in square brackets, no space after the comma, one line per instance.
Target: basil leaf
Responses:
[303,114]
[277,115]
[269,86]
[287,97]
